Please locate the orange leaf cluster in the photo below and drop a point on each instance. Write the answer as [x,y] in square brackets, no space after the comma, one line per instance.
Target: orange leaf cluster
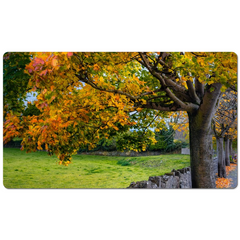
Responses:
[230,168]
[223,182]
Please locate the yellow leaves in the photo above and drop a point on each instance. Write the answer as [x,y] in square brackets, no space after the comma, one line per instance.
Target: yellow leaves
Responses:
[117,98]
[34,120]
[96,67]
[183,78]
[116,128]
[200,61]
[39,147]
[210,82]
[54,62]
[223,88]
[144,146]
[175,127]
[109,68]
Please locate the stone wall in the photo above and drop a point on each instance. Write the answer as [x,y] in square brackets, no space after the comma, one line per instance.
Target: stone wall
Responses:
[127,153]
[180,178]
[185,151]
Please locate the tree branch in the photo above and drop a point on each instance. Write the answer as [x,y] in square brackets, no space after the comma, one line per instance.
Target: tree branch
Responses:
[199,87]
[192,92]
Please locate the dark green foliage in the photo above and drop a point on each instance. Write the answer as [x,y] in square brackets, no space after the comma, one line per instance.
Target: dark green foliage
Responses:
[234,144]
[180,144]
[124,162]
[164,140]
[129,138]
[14,144]
[103,145]
[106,145]
[31,110]
[15,80]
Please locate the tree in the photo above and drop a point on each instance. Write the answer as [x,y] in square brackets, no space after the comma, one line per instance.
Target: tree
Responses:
[164,140]
[193,83]
[179,122]
[232,134]
[86,94]
[15,80]
[223,121]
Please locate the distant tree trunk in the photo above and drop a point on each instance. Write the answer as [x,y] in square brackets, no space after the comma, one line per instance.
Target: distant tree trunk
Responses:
[227,159]
[230,148]
[221,158]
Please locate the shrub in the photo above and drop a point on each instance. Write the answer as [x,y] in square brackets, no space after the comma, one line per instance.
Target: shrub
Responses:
[180,144]
[164,141]
[124,162]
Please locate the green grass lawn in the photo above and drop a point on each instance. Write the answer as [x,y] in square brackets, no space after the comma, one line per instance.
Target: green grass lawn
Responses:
[38,170]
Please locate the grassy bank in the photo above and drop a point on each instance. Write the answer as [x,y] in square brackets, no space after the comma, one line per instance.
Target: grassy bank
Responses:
[38,170]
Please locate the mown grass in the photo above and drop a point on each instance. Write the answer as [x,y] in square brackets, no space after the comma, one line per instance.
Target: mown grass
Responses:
[38,170]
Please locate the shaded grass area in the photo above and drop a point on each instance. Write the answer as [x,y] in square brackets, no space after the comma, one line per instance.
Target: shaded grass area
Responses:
[38,170]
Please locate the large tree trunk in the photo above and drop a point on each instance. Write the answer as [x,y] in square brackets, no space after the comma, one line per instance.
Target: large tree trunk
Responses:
[221,158]
[202,168]
[227,159]
[200,135]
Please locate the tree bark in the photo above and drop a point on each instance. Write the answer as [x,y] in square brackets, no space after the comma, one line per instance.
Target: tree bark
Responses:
[202,168]
[221,158]
[200,136]
[227,159]
[230,148]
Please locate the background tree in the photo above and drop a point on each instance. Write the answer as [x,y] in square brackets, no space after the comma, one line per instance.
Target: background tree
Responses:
[223,120]
[15,80]
[232,134]
[179,122]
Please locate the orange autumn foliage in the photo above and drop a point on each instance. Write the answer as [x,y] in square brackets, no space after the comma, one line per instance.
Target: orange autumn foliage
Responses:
[225,182]
[230,168]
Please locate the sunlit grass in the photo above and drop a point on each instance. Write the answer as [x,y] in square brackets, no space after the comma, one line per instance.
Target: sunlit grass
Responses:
[38,170]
